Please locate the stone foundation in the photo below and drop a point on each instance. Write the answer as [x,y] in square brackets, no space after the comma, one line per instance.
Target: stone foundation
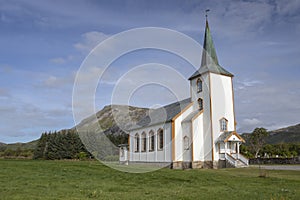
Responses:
[153,164]
[177,165]
[184,165]
[222,164]
[215,165]
[197,164]
[181,165]
[207,165]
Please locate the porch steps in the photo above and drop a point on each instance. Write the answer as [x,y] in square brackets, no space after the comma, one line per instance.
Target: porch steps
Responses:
[235,162]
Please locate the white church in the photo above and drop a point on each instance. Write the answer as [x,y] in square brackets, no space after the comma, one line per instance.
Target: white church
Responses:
[198,132]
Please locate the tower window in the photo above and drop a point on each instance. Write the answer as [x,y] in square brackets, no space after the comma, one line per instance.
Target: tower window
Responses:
[224,124]
[200,104]
[199,85]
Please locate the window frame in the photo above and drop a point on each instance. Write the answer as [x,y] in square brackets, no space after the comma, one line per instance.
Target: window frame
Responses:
[199,85]
[200,104]
[136,142]
[160,139]
[223,124]
[186,143]
[151,141]
[143,142]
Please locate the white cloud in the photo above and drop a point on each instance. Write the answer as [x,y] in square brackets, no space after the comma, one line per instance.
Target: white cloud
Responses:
[272,104]
[58,60]
[244,84]
[4,93]
[251,122]
[287,7]
[61,60]
[90,41]
[22,121]
[58,82]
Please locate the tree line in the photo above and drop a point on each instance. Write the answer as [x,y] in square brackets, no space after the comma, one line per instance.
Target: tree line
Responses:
[65,144]
[256,146]
[15,153]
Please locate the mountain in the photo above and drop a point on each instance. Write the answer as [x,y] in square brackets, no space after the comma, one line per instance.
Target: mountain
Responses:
[22,146]
[289,134]
[113,119]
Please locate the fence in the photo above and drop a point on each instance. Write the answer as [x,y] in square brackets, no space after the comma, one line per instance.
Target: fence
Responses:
[279,161]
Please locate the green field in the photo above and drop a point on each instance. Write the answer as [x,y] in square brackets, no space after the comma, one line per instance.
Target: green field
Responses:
[29,179]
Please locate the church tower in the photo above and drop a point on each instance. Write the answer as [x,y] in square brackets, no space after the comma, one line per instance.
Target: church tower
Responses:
[212,94]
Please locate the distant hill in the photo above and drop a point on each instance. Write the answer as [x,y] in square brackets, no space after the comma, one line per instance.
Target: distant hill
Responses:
[289,134]
[127,115]
[22,146]
[106,118]
[113,118]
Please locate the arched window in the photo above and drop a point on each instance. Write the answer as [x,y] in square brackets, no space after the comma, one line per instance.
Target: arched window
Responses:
[151,141]
[186,143]
[199,85]
[200,104]
[144,142]
[136,142]
[160,139]
[223,124]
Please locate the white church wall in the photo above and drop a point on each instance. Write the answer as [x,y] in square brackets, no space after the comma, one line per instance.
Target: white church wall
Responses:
[198,149]
[222,105]
[156,155]
[178,139]
[187,141]
[207,140]
[206,121]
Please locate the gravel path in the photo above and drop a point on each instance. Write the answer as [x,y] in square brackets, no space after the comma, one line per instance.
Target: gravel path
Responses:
[280,167]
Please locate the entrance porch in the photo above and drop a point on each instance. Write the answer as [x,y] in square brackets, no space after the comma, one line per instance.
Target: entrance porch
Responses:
[229,150]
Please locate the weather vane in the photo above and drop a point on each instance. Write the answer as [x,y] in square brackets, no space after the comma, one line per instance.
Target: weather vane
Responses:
[206,11]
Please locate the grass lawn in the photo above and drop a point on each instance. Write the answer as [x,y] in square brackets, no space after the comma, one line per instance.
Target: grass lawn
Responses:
[29,179]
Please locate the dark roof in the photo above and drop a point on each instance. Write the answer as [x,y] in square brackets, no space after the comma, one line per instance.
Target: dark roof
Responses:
[162,115]
[209,62]
[224,136]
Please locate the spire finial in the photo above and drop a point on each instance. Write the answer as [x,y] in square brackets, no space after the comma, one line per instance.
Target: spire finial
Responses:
[206,11]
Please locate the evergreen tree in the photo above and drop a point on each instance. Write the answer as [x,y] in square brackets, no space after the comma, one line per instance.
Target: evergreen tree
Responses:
[40,150]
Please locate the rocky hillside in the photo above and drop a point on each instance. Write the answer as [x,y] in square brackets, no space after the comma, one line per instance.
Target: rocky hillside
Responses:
[113,119]
[289,134]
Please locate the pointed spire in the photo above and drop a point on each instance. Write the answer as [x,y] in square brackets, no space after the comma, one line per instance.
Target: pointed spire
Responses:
[209,55]
[209,62]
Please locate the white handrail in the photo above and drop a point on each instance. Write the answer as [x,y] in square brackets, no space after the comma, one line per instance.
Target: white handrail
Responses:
[244,159]
[230,159]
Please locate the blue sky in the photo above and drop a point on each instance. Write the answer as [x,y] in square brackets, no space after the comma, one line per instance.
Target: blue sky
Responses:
[43,43]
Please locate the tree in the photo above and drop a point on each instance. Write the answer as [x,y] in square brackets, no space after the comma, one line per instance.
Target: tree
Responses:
[65,144]
[257,139]
[41,148]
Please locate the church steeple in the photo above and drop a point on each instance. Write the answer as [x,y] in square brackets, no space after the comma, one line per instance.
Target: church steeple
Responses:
[209,62]
[209,54]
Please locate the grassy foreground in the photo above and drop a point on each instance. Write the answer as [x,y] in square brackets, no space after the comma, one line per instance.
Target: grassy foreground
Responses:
[28,179]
